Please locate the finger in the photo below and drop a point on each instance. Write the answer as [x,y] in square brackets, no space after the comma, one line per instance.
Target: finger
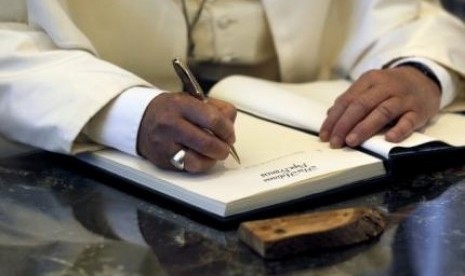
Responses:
[227,109]
[165,129]
[355,113]
[334,113]
[404,127]
[195,162]
[208,117]
[201,141]
[382,115]
[340,105]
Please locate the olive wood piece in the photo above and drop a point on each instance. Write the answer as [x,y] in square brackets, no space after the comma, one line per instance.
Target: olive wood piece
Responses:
[314,232]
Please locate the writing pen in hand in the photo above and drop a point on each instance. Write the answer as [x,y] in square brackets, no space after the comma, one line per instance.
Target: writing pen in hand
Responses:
[192,87]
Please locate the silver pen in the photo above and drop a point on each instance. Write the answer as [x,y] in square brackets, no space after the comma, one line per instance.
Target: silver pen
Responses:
[194,89]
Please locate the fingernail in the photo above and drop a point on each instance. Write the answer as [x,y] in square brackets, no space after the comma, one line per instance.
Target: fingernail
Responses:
[352,139]
[324,136]
[336,142]
[392,137]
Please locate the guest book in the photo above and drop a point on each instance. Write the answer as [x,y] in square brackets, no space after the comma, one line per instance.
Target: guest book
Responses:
[282,158]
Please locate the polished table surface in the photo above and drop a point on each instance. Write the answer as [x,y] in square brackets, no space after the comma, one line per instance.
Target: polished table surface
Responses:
[56,220]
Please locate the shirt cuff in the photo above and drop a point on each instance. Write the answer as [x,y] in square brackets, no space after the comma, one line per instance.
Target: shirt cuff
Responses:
[448,84]
[117,124]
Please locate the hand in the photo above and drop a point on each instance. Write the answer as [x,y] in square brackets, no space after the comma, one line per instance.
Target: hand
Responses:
[175,121]
[402,98]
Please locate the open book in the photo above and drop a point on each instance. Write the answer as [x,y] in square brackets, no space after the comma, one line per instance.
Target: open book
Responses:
[304,106]
[278,163]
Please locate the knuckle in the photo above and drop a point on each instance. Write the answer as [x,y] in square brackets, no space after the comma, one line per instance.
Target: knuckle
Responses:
[214,121]
[172,98]
[411,124]
[342,101]
[176,97]
[386,112]
[230,136]
[232,112]
[362,104]
[329,110]
[176,101]
[205,144]
[162,119]
[373,76]
[164,123]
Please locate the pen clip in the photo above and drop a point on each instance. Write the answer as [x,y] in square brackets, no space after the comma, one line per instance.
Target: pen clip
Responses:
[189,82]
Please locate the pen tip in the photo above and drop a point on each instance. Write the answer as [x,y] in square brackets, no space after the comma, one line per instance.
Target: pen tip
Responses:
[235,155]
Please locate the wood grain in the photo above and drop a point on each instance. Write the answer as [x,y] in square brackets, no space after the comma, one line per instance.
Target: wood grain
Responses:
[284,236]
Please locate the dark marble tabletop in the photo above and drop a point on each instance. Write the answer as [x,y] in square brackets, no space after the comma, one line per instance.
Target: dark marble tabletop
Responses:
[56,220]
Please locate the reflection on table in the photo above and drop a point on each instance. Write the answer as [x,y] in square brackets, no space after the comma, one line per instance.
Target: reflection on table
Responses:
[55,220]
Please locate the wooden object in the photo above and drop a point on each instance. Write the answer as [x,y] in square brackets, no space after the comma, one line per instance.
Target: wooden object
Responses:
[283,236]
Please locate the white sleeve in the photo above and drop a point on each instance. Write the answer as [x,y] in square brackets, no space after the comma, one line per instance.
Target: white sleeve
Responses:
[48,94]
[449,85]
[117,125]
[407,30]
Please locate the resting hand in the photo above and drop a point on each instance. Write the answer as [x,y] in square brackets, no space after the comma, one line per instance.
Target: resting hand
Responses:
[175,121]
[402,98]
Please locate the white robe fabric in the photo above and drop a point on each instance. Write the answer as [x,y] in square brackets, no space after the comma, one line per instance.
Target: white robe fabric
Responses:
[61,61]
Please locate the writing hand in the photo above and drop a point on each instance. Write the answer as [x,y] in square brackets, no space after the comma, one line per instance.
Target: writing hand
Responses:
[402,97]
[175,121]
